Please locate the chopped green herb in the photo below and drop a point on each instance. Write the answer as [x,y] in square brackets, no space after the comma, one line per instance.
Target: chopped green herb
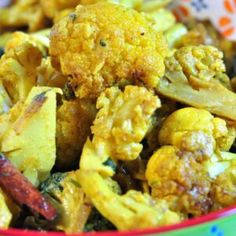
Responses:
[109,162]
[1,52]
[97,222]
[52,183]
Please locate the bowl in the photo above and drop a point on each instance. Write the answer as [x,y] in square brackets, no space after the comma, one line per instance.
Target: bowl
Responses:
[218,223]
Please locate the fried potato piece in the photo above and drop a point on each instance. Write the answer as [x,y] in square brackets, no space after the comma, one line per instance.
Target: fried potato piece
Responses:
[74,119]
[30,141]
[23,13]
[5,214]
[117,47]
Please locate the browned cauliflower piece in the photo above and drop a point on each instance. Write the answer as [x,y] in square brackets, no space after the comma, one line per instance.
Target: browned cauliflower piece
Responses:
[23,13]
[120,124]
[194,129]
[193,76]
[74,119]
[191,161]
[176,176]
[223,187]
[117,47]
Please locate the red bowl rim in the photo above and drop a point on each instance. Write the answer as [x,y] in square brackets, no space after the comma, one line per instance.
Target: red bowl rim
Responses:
[163,229]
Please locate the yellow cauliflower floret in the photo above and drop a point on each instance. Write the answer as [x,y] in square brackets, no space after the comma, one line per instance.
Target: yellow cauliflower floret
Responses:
[23,13]
[184,172]
[224,180]
[176,176]
[203,62]
[225,142]
[23,53]
[74,119]
[117,47]
[123,120]
[132,210]
[195,75]
[193,129]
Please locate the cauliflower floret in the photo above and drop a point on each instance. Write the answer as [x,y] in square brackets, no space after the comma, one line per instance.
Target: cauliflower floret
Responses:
[176,176]
[23,53]
[122,121]
[223,189]
[132,210]
[23,13]
[225,142]
[194,129]
[74,119]
[117,47]
[184,172]
[202,62]
[192,77]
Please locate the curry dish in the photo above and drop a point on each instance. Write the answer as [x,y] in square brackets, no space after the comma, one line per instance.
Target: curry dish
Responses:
[113,116]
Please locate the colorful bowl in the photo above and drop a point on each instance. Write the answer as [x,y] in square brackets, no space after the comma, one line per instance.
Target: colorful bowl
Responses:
[219,223]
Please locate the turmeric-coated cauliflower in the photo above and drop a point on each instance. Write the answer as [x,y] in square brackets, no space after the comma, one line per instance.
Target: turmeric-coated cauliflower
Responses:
[123,120]
[194,129]
[176,176]
[121,123]
[184,169]
[115,47]
[18,66]
[194,76]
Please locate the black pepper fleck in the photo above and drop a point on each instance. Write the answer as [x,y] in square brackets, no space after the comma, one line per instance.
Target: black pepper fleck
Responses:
[142,33]
[73,16]
[103,43]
